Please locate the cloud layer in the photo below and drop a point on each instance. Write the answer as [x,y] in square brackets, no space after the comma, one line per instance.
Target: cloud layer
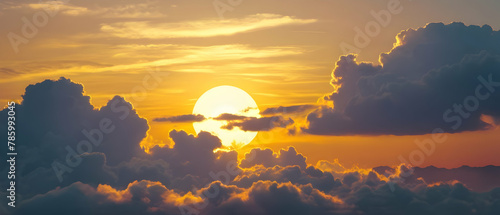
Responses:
[97,154]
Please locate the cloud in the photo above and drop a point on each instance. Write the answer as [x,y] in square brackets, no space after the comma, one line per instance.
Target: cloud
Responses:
[148,197]
[194,156]
[480,179]
[259,124]
[181,118]
[434,78]
[139,10]
[268,158]
[56,114]
[139,197]
[52,8]
[442,199]
[144,168]
[230,117]
[247,123]
[92,170]
[200,28]
[60,127]
[9,72]
[266,197]
[127,10]
[320,180]
[287,109]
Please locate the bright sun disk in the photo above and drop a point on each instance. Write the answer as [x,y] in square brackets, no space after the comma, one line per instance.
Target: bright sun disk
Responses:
[226,99]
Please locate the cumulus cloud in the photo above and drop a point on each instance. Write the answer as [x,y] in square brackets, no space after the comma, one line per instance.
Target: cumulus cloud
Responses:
[442,199]
[147,197]
[194,157]
[434,78]
[65,138]
[181,118]
[267,158]
[266,197]
[357,196]
[324,181]
[56,114]
[140,197]
[481,179]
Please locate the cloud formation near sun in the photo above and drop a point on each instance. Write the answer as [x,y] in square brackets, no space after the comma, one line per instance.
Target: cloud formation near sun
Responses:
[434,78]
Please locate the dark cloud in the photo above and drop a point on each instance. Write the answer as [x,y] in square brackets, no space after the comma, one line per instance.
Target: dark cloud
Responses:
[268,158]
[320,180]
[56,122]
[230,117]
[147,197]
[351,178]
[440,199]
[266,197]
[275,119]
[439,76]
[259,124]
[181,118]
[123,143]
[57,114]
[142,169]
[479,179]
[195,156]
[247,123]
[139,197]
[287,109]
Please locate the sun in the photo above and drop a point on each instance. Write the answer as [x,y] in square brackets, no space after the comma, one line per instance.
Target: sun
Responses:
[226,99]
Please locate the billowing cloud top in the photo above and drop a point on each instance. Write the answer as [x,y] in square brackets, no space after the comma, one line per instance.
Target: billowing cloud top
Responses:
[439,78]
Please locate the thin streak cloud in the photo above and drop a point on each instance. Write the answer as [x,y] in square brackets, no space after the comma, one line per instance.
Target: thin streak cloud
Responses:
[200,28]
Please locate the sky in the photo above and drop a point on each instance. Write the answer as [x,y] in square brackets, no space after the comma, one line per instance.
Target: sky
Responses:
[344,89]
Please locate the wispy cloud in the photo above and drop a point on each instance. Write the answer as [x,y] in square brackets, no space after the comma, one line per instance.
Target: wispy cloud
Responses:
[187,55]
[200,28]
[258,124]
[181,118]
[143,10]
[55,7]
[287,109]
